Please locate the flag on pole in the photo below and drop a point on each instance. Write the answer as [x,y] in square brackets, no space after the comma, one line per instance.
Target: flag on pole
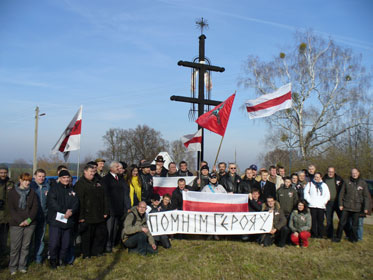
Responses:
[215,202]
[70,138]
[163,185]
[193,141]
[216,120]
[268,104]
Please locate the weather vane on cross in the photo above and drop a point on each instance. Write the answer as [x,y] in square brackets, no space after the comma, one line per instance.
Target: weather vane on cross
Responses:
[202,23]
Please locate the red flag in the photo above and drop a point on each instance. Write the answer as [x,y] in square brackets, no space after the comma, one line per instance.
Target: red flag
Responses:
[216,120]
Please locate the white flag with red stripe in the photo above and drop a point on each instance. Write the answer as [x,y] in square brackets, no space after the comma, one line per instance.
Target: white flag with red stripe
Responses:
[193,141]
[163,185]
[70,138]
[268,104]
[215,202]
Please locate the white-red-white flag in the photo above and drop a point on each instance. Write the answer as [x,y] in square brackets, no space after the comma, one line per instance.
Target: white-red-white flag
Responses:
[70,138]
[163,185]
[215,202]
[268,104]
[193,141]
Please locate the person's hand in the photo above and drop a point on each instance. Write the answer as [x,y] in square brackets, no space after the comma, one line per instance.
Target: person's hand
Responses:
[145,230]
[230,193]
[154,247]
[105,216]
[273,231]
[23,224]
[198,181]
[366,211]
[296,234]
[341,208]
[214,168]
[250,196]
[81,221]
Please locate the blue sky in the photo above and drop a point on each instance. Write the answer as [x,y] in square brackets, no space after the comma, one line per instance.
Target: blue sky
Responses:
[119,60]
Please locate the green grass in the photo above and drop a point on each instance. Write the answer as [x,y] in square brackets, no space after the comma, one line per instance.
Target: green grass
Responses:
[200,259]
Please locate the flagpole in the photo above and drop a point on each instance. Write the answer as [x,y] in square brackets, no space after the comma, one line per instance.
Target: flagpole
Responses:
[216,159]
[77,170]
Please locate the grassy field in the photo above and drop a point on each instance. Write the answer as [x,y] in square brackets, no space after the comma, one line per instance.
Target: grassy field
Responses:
[200,259]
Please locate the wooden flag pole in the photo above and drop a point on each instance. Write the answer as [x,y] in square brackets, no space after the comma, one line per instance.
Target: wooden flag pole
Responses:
[216,159]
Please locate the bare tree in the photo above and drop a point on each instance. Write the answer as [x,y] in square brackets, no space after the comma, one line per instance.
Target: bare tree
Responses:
[180,153]
[328,82]
[132,145]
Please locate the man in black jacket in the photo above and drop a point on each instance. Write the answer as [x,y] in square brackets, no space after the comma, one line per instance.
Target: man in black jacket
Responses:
[117,195]
[183,170]
[146,182]
[159,161]
[353,198]
[248,182]
[267,188]
[93,212]
[231,180]
[177,194]
[334,183]
[62,203]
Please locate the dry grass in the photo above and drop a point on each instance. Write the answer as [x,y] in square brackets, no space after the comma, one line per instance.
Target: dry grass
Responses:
[200,259]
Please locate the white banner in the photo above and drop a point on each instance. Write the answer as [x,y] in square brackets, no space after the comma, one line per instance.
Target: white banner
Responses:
[188,222]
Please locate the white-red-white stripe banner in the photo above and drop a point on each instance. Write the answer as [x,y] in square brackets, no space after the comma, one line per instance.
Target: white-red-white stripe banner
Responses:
[163,185]
[267,104]
[215,202]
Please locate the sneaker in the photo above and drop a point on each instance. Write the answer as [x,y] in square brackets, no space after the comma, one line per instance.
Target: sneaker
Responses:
[297,246]
[23,270]
[337,240]
[13,273]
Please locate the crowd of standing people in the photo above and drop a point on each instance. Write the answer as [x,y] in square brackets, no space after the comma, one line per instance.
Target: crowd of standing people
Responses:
[103,210]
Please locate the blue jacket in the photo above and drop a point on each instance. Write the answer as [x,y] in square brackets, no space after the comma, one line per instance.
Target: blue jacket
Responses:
[42,199]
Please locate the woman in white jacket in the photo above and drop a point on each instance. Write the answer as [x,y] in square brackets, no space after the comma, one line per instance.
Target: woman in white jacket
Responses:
[317,194]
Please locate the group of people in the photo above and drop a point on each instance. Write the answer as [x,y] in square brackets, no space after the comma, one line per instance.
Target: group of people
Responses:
[107,209]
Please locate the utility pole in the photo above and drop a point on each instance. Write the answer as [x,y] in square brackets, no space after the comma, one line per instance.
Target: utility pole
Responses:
[202,68]
[35,161]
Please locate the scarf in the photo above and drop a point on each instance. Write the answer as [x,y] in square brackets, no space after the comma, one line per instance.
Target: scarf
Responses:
[318,186]
[23,196]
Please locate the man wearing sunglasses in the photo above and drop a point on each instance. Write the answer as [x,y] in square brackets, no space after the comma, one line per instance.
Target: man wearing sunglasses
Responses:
[231,180]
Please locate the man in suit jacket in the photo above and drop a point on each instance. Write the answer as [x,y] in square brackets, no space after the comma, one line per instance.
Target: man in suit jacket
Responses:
[117,195]
[267,188]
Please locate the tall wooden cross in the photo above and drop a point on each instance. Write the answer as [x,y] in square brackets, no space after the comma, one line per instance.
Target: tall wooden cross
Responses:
[202,68]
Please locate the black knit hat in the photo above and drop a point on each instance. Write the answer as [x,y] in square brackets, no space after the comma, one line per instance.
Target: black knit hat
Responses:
[64,173]
[204,167]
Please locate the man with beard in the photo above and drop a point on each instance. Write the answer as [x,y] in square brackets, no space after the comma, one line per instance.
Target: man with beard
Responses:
[6,184]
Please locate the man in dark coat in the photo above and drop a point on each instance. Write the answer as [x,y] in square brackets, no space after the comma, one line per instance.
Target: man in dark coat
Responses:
[267,188]
[334,183]
[248,182]
[146,182]
[117,195]
[177,194]
[183,169]
[93,212]
[353,198]
[6,184]
[159,161]
[231,180]
[62,204]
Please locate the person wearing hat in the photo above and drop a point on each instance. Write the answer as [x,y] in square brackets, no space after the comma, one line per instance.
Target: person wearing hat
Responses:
[159,161]
[203,178]
[213,186]
[100,167]
[62,204]
[6,184]
[153,169]
[146,182]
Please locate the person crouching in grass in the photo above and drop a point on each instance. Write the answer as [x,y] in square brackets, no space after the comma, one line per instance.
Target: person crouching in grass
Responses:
[300,224]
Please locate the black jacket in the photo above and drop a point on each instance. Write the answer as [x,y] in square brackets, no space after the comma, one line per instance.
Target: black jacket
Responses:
[204,181]
[117,194]
[269,189]
[146,187]
[255,205]
[229,184]
[177,198]
[59,199]
[92,200]
[184,174]
[247,185]
[354,195]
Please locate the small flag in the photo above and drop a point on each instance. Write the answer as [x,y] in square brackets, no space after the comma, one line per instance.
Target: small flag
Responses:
[217,119]
[215,202]
[70,138]
[193,141]
[268,104]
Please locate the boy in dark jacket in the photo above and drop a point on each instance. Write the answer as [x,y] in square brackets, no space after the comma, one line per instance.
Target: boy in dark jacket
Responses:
[62,203]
